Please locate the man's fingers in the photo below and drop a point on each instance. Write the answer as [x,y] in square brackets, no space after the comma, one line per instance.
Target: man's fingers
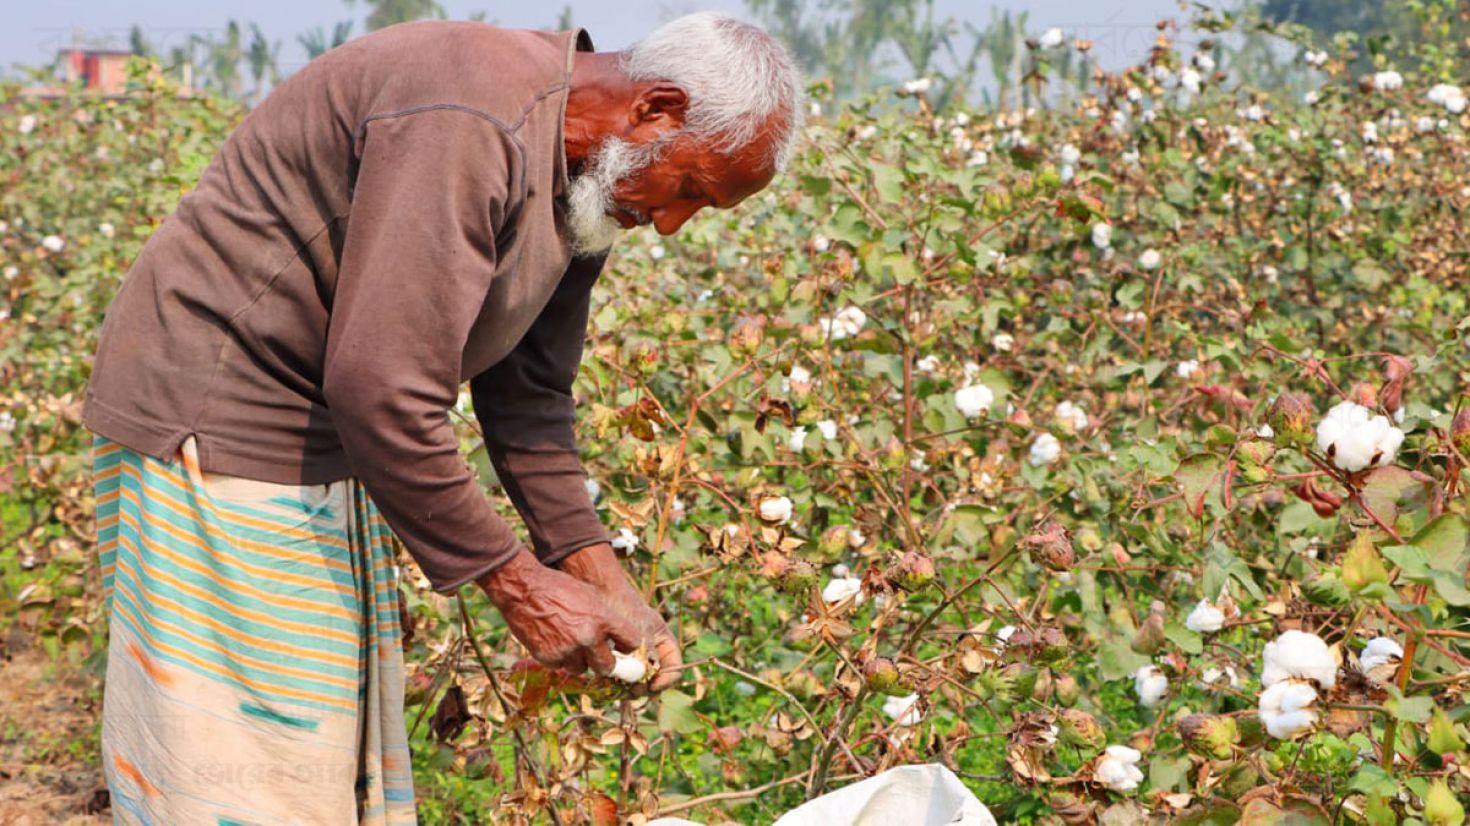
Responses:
[670,663]
[600,657]
[624,634]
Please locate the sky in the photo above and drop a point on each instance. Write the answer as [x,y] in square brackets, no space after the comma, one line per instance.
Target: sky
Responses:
[33,31]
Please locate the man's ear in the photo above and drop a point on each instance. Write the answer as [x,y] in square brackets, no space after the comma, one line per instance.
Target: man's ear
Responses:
[661,106]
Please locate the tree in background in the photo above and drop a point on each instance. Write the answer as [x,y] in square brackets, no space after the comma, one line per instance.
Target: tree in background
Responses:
[264,58]
[317,43]
[860,44]
[1430,35]
[387,12]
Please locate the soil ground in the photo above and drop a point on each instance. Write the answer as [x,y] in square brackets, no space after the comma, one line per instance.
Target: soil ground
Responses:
[49,716]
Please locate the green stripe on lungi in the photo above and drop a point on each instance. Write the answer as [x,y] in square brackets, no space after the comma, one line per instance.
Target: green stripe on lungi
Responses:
[255,670]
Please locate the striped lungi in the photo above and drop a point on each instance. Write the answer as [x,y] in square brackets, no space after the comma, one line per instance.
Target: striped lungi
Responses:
[255,668]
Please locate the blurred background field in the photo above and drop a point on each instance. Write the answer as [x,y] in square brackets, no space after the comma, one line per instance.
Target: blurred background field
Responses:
[1013,278]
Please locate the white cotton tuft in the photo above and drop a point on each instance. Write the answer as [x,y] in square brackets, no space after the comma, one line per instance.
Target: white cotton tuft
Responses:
[628,668]
[1299,655]
[1205,618]
[1118,770]
[840,588]
[1288,709]
[1381,651]
[974,401]
[775,509]
[903,710]
[1354,437]
[1045,450]
[1151,684]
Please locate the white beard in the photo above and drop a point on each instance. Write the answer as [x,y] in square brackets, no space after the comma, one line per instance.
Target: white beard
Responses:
[590,197]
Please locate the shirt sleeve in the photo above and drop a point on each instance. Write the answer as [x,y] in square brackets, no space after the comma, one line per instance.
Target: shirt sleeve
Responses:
[418,258]
[526,410]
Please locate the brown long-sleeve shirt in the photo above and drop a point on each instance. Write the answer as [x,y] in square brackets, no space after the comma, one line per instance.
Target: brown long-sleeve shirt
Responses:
[386,225]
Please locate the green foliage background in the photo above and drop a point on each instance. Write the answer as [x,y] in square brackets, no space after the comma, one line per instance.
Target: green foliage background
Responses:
[1294,255]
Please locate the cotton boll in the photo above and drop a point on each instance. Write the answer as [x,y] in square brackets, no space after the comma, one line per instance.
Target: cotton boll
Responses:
[1149,260]
[917,86]
[1071,415]
[1002,342]
[1316,59]
[928,365]
[841,588]
[53,243]
[27,124]
[626,542]
[1382,655]
[594,490]
[1354,437]
[974,401]
[827,428]
[1205,618]
[1190,79]
[848,322]
[1102,235]
[775,509]
[1388,81]
[1288,709]
[1070,154]
[903,710]
[799,379]
[1045,450]
[1299,655]
[1051,38]
[797,440]
[628,668]
[1118,770]
[106,229]
[1186,369]
[1150,684]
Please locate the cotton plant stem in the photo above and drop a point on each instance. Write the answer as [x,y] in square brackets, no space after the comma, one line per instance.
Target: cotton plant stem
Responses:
[696,802]
[824,760]
[521,750]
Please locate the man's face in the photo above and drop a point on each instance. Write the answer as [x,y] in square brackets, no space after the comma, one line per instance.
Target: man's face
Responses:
[662,182]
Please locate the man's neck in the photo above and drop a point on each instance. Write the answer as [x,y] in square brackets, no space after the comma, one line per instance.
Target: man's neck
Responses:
[596,105]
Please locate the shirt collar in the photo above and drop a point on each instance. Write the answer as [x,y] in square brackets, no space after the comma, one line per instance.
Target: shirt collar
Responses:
[578,41]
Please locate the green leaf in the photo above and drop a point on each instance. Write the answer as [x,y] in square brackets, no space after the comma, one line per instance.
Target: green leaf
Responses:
[1116,659]
[1441,808]
[1198,476]
[1444,540]
[1451,589]
[676,713]
[1410,709]
[1165,773]
[1188,641]
[1443,739]
[1385,490]
[1411,560]
[889,182]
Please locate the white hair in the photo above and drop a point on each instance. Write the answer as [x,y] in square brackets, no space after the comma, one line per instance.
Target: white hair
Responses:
[737,77]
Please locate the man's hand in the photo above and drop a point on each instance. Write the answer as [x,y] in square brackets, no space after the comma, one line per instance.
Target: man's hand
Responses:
[598,566]
[561,621]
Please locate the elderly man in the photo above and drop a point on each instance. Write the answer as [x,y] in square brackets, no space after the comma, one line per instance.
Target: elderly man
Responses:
[424,206]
